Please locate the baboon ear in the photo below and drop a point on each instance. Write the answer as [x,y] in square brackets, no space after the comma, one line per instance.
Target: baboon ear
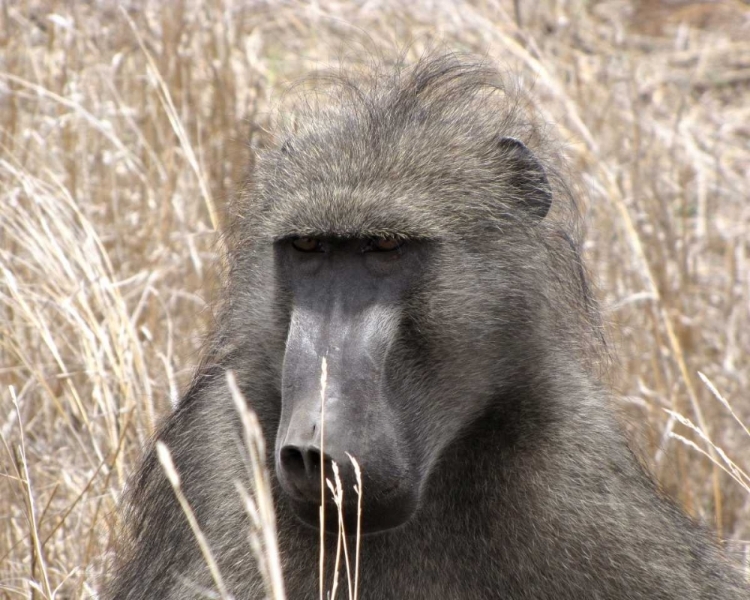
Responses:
[527,176]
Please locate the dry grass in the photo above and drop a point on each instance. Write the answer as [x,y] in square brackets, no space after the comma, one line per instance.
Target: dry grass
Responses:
[122,133]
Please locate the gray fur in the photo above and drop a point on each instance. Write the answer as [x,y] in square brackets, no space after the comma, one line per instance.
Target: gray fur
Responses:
[528,487]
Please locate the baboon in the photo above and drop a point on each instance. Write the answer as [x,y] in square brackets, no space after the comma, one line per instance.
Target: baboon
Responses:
[414,230]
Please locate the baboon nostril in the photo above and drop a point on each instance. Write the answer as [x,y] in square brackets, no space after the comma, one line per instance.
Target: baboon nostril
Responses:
[300,463]
[292,461]
[301,469]
[312,462]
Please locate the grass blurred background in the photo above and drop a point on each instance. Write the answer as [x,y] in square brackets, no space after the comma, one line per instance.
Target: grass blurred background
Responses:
[124,130]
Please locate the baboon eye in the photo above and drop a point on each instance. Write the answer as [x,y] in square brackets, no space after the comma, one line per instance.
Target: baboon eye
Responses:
[383,245]
[307,244]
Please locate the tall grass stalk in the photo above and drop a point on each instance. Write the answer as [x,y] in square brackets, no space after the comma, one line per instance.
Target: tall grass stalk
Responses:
[165,458]
[322,557]
[259,505]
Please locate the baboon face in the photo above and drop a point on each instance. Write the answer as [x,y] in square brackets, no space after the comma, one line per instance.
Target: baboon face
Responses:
[348,296]
[386,265]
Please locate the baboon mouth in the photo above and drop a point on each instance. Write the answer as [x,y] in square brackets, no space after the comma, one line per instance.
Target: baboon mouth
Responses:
[375,517]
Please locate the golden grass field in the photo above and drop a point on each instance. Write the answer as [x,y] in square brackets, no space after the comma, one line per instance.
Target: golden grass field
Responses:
[124,130]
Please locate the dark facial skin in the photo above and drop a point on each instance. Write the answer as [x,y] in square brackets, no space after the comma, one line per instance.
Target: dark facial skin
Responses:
[346,298]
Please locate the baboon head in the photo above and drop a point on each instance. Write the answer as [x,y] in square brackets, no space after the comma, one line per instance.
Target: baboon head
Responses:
[396,233]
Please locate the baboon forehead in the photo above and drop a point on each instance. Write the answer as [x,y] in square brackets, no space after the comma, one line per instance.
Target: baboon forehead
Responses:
[418,184]
[380,209]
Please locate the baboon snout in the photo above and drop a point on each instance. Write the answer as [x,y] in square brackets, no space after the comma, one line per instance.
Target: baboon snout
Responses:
[307,446]
[351,428]
[302,453]
[346,301]
[385,478]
